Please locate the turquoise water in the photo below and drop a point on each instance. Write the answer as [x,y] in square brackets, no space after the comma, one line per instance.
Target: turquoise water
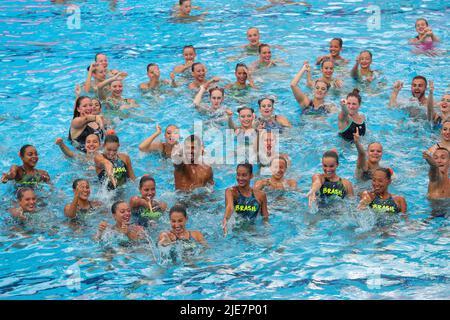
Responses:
[300,255]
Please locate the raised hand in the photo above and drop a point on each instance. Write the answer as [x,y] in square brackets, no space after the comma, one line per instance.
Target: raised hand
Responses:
[398,85]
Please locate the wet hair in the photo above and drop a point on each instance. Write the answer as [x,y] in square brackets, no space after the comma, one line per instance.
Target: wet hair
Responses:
[253,28]
[99,102]
[97,54]
[246,165]
[194,65]
[216,88]
[370,53]
[326,83]
[182,1]
[331,154]
[443,149]
[193,139]
[326,60]
[77,181]
[144,179]
[115,205]
[244,108]
[76,113]
[20,193]
[262,45]
[265,98]
[387,171]
[422,19]
[338,40]
[420,77]
[178,208]
[240,64]
[355,93]
[24,148]
[151,65]
[375,143]
[280,158]
[189,46]
[111,138]
[171,125]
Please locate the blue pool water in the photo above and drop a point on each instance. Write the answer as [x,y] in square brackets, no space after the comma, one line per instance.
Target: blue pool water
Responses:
[300,255]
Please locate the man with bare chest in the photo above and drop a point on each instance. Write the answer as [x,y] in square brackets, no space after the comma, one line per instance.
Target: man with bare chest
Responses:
[190,170]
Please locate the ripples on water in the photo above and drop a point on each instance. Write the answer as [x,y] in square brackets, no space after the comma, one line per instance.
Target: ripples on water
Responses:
[301,254]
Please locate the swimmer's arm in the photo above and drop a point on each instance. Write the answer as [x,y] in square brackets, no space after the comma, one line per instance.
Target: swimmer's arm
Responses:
[108,81]
[228,209]
[433,173]
[70,210]
[211,176]
[136,202]
[100,163]
[430,102]
[11,175]
[81,122]
[129,167]
[147,145]
[199,95]
[317,182]
[101,229]
[44,175]
[301,98]
[280,48]
[401,202]
[395,91]
[18,213]
[198,236]
[309,81]
[354,71]
[64,148]
[361,162]
[164,239]
[349,187]
[264,210]
[231,124]
[293,184]
[343,115]
[87,83]
[259,185]
[366,199]
[283,121]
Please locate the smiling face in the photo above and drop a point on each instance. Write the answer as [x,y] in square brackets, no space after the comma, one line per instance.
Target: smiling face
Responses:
[116,88]
[266,108]
[329,166]
[99,74]
[122,215]
[444,104]
[241,75]
[30,157]
[110,150]
[178,222]
[246,118]
[365,60]
[216,98]
[320,90]
[278,168]
[421,25]
[28,201]
[380,182]
[445,132]
[85,190]
[153,71]
[375,152]
[92,143]
[352,105]
[96,107]
[148,190]
[85,108]
[418,87]
[102,61]
[253,36]
[335,48]
[185,8]
[189,54]
[442,159]
[327,69]
[266,54]
[199,72]
[243,176]
[172,134]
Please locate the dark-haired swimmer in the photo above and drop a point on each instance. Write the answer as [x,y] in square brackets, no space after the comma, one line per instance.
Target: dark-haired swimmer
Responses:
[379,199]
[27,174]
[116,101]
[327,69]
[189,55]
[265,59]
[154,74]
[349,118]
[80,204]
[243,199]
[92,146]
[425,38]
[199,73]
[242,76]
[328,185]
[335,53]
[268,120]
[418,91]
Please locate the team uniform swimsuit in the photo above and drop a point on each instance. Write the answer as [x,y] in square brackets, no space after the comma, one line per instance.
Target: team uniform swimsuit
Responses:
[348,132]
[332,190]
[143,215]
[310,109]
[29,180]
[119,171]
[271,123]
[80,141]
[384,206]
[246,207]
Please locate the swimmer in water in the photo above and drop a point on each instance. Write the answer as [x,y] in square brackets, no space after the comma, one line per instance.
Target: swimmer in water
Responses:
[439,183]
[199,73]
[269,121]
[154,74]
[242,76]
[27,174]
[327,69]
[317,104]
[102,60]
[361,70]
[246,118]
[113,165]
[367,164]
[278,167]
[121,213]
[268,150]
[27,204]
[178,219]
[190,170]
[92,146]
[243,199]
[189,55]
[328,185]
[350,119]
[418,90]
[85,123]
[185,8]
[116,101]
[379,199]
[444,105]
[145,209]
[171,135]
[425,38]
[80,204]
[445,138]
[335,53]
[265,59]
[216,96]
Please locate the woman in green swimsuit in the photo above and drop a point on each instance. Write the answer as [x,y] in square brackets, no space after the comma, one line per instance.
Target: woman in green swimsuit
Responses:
[81,205]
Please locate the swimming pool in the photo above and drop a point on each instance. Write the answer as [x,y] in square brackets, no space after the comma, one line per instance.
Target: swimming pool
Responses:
[300,255]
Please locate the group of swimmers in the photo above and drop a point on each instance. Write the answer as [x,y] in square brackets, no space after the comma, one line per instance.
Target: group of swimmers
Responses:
[92,134]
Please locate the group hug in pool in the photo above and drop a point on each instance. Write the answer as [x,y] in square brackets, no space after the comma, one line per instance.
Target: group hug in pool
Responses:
[95,142]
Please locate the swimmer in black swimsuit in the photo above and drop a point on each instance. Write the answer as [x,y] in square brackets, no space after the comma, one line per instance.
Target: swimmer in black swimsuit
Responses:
[380,200]
[349,117]
[81,203]
[244,200]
